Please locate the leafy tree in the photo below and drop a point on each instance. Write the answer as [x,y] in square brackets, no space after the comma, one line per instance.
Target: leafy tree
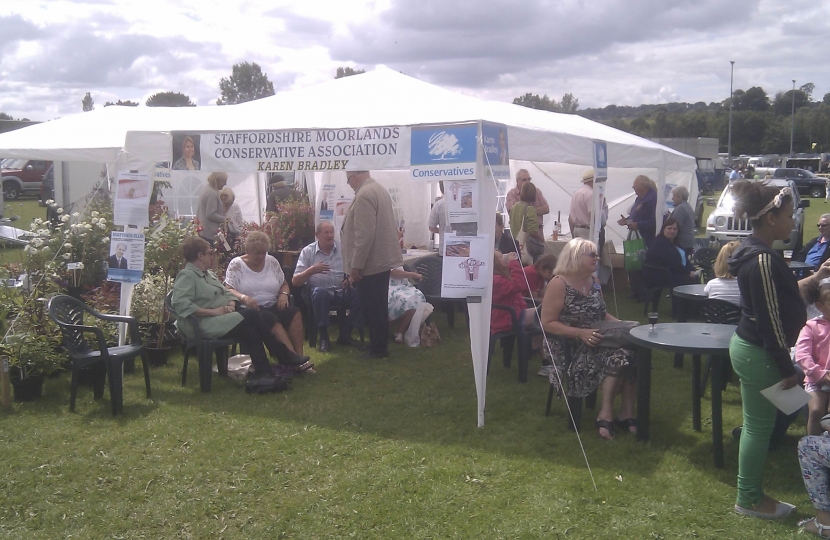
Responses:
[826,99]
[754,99]
[808,89]
[87,103]
[127,103]
[169,99]
[783,102]
[246,83]
[4,116]
[569,103]
[347,72]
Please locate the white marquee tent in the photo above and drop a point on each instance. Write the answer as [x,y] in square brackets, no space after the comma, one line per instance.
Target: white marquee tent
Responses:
[555,148]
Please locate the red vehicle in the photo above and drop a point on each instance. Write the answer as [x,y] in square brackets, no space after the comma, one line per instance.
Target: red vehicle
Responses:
[23,176]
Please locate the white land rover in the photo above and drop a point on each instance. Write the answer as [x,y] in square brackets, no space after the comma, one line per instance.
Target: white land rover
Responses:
[722,226]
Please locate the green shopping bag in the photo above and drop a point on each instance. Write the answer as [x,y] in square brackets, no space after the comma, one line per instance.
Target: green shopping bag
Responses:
[632,248]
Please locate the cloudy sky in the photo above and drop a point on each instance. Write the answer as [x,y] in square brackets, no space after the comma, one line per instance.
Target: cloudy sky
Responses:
[624,52]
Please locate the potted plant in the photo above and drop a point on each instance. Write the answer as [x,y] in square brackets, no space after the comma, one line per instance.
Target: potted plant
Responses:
[162,261]
[292,225]
[31,358]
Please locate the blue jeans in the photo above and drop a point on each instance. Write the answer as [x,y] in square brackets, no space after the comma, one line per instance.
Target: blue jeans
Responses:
[323,299]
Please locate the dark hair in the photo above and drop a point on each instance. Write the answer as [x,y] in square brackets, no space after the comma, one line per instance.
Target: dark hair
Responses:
[192,246]
[545,262]
[670,221]
[752,197]
[528,193]
[815,290]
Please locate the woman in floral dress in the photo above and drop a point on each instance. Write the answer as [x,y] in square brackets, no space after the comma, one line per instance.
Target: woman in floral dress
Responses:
[573,301]
[404,299]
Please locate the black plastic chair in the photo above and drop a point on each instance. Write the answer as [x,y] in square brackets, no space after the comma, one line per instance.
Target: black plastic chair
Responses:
[507,338]
[431,268]
[704,259]
[205,348]
[716,311]
[574,403]
[68,314]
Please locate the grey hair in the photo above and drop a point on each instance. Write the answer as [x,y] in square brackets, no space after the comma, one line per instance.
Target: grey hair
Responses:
[681,192]
[319,228]
[825,216]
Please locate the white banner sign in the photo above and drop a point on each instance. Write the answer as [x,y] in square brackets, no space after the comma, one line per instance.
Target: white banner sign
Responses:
[385,147]
[132,199]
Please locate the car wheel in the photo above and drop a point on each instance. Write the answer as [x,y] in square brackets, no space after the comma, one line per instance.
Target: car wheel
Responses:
[10,191]
[817,192]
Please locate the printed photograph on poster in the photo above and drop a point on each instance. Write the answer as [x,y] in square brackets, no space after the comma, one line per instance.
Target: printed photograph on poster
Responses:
[125,263]
[186,152]
[462,201]
[496,154]
[132,199]
[341,208]
[327,202]
[464,266]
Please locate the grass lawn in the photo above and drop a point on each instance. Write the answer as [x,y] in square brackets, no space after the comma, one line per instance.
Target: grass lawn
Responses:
[375,449]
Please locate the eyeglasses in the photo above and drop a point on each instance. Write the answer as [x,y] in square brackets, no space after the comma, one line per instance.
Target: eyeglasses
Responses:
[822,225]
[592,254]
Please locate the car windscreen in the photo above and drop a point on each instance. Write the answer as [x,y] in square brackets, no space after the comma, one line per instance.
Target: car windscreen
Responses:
[14,163]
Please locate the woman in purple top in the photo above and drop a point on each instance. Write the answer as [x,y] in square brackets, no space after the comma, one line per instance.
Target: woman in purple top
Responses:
[642,213]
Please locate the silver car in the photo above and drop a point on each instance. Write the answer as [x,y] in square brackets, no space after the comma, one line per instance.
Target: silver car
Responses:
[723,227]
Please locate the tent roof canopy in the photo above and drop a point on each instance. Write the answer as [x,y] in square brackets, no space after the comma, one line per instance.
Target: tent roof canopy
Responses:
[381,97]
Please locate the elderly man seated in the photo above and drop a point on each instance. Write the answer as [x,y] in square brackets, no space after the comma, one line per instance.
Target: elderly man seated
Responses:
[320,264]
[815,251]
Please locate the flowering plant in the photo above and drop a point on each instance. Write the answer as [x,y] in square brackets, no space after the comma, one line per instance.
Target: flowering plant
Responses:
[292,224]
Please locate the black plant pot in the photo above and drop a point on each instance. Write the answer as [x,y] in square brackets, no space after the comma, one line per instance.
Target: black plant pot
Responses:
[157,357]
[28,389]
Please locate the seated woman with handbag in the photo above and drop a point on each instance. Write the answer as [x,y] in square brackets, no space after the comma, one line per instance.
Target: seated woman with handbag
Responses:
[197,291]
[524,225]
[574,307]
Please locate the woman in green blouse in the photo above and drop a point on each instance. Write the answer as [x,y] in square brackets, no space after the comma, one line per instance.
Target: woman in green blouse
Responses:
[197,291]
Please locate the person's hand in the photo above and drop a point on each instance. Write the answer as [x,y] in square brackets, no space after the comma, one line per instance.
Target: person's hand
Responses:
[417,277]
[632,226]
[249,302]
[589,336]
[823,270]
[789,382]
[512,256]
[282,301]
[622,220]
[223,310]
[319,268]
[355,276]
[346,283]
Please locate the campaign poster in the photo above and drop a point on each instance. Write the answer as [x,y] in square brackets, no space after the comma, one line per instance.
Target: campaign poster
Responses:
[292,150]
[125,263]
[445,152]
[187,154]
[327,203]
[465,258]
[462,201]
[132,199]
[341,208]
[496,154]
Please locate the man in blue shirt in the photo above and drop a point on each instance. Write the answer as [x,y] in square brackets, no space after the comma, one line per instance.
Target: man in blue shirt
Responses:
[815,252]
[320,265]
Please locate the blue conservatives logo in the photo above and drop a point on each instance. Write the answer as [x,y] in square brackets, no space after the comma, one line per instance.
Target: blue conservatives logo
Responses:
[442,145]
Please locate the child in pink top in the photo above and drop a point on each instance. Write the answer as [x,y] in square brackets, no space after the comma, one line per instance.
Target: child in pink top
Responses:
[811,352]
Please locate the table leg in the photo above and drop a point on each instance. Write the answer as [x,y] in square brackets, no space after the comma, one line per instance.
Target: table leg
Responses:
[682,316]
[643,392]
[696,393]
[717,411]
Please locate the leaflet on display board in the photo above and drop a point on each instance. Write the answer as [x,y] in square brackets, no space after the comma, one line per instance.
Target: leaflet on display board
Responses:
[464,258]
[132,199]
[125,263]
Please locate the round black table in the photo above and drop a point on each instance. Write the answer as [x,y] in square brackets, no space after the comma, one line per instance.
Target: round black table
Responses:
[686,338]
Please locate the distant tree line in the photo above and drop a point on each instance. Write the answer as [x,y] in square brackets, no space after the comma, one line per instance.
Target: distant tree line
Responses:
[760,125]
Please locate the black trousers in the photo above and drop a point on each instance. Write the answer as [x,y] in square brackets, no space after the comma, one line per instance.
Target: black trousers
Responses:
[374,303]
[254,334]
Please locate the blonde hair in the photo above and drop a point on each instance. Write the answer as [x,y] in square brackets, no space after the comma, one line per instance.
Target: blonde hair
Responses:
[257,239]
[569,262]
[227,195]
[721,266]
[214,177]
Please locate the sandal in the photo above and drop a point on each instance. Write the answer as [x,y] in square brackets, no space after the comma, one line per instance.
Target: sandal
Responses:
[398,338]
[302,368]
[608,426]
[820,529]
[626,424]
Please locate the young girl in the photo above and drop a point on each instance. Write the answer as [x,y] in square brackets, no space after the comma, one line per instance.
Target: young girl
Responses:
[811,353]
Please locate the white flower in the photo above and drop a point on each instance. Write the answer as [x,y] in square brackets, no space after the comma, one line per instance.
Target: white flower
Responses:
[76,214]
[67,245]
[80,266]
[105,240]
[46,250]
[32,251]
[66,256]
[38,221]
[95,213]
[65,218]
[37,242]
[59,210]
[87,226]
[102,225]
[50,202]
